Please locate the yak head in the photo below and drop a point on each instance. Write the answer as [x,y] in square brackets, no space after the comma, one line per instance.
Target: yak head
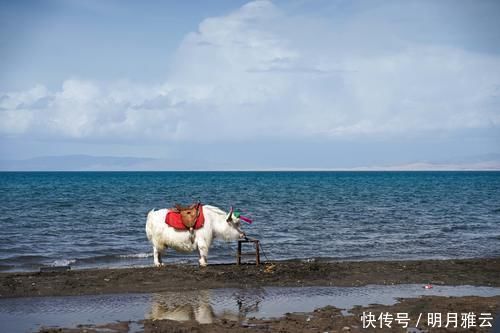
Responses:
[233,219]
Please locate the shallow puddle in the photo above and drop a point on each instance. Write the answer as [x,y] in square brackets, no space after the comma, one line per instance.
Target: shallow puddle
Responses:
[204,306]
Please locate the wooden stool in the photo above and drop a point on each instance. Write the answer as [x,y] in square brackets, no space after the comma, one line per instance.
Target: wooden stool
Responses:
[257,250]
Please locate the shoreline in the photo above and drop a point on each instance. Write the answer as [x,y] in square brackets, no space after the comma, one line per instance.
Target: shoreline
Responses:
[176,277]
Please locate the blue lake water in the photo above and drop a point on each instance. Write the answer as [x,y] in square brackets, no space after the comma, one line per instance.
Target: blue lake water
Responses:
[96,219]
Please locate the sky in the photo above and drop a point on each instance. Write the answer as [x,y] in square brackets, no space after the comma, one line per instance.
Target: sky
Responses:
[251,84]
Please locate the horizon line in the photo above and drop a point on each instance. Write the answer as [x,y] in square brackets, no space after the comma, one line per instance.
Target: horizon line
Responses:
[273,170]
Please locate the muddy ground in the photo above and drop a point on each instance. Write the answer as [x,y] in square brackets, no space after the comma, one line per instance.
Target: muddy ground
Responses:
[479,272]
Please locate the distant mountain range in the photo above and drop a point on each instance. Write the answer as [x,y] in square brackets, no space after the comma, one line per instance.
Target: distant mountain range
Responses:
[78,163]
[479,166]
[110,163]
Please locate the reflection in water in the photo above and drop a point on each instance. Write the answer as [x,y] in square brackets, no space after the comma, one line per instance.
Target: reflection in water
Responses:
[19,315]
[188,305]
[206,305]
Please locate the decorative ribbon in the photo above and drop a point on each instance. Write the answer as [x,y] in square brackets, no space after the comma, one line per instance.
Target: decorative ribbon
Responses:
[246,219]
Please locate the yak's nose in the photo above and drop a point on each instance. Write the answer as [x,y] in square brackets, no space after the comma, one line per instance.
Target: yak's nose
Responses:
[243,235]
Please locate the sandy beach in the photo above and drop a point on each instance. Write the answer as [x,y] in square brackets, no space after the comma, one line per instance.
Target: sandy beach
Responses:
[474,272]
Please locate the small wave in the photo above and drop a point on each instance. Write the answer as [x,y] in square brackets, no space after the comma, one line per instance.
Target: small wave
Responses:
[24,259]
[6,268]
[136,255]
[111,258]
[63,262]
[460,227]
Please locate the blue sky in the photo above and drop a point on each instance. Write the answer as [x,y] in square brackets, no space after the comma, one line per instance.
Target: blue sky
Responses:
[257,84]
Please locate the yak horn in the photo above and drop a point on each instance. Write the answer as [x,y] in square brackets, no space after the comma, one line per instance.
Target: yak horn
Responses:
[230,215]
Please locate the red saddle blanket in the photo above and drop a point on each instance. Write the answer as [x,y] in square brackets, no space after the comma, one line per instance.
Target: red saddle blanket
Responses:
[174,220]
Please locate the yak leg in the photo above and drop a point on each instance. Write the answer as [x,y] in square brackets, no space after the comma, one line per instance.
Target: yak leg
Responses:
[203,313]
[157,257]
[203,248]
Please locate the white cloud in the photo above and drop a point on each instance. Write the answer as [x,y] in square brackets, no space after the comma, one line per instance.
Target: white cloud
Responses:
[262,72]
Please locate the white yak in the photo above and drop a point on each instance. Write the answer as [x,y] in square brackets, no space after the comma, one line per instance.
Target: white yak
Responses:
[218,224]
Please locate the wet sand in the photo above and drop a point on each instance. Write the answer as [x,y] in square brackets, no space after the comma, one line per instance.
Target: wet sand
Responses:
[478,272]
